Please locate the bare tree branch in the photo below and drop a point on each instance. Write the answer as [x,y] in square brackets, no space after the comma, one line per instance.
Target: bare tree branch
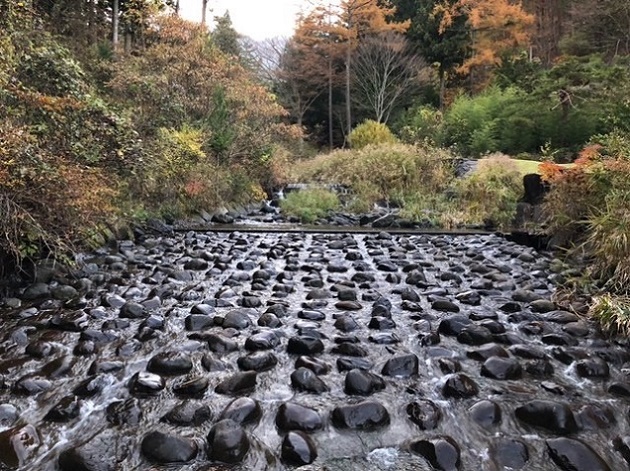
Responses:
[384,70]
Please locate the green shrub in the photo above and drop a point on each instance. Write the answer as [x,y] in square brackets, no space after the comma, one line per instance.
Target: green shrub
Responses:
[388,172]
[612,312]
[489,195]
[370,132]
[422,124]
[310,205]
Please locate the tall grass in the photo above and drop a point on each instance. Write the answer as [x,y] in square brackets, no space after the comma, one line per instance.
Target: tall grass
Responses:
[310,205]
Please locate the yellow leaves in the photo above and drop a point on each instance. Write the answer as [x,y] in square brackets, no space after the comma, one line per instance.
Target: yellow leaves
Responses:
[498,26]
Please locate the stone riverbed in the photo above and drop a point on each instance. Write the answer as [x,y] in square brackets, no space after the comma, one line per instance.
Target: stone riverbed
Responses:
[259,351]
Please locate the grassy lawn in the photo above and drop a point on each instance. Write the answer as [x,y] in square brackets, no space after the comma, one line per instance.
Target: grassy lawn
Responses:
[531,166]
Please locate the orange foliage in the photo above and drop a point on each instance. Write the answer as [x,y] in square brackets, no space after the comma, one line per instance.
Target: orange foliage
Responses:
[499,27]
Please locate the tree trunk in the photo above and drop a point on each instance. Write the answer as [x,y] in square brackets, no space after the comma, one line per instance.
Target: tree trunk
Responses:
[330,105]
[204,10]
[115,24]
[348,97]
[442,74]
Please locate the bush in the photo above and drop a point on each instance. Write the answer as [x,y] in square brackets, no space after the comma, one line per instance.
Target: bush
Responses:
[388,172]
[588,208]
[310,205]
[612,313]
[422,124]
[370,133]
[489,195]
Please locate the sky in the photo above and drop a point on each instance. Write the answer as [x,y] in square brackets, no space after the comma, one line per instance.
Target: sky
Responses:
[258,19]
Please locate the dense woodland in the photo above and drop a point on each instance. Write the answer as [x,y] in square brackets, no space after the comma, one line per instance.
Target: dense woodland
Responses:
[116,111]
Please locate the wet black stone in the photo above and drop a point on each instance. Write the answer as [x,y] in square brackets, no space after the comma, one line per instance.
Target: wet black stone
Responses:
[304,379]
[553,416]
[227,442]
[243,411]
[346,323]
[348,305]
[429,338]
[362,383]
[475,335]
[622,445]
[416,278]
[471,298]
[298,449]
[170,364]
[305,346]
[39,349]
[318,294]
[65,410]
[220,344]
[525,296]
[363,416]
[511,307]
[133,310]
[347,364]
[124,412]
[381,323]
[188,414]
[444,305]
[143,383]
[211,364]
[509,453]
[239,318]
[293,416]
[251,301]
[542,305]
[559,339]
[238,384]
[527,351]
[488,351]
[196,322]
[460,386]
[485,413]
[260,362]
[30,386]
[202,309]
[424,413]
[592,368]
[311,315]
[540,368]
[191,387]
[401,366]
[262,341]
[350,349]
[442,452]
[316,365]
[454,325]
[159,447]
[270,320]
[575,455]
[621,389]
[501,368]
[449,365]
[409,294]
[561,317]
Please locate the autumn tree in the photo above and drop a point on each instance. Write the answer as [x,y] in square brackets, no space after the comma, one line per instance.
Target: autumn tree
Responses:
[498,29]
[444,49]
[356,20]
[384,70]
[309,65]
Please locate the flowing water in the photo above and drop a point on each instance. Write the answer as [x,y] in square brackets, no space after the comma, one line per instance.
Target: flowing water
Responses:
[138,306]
